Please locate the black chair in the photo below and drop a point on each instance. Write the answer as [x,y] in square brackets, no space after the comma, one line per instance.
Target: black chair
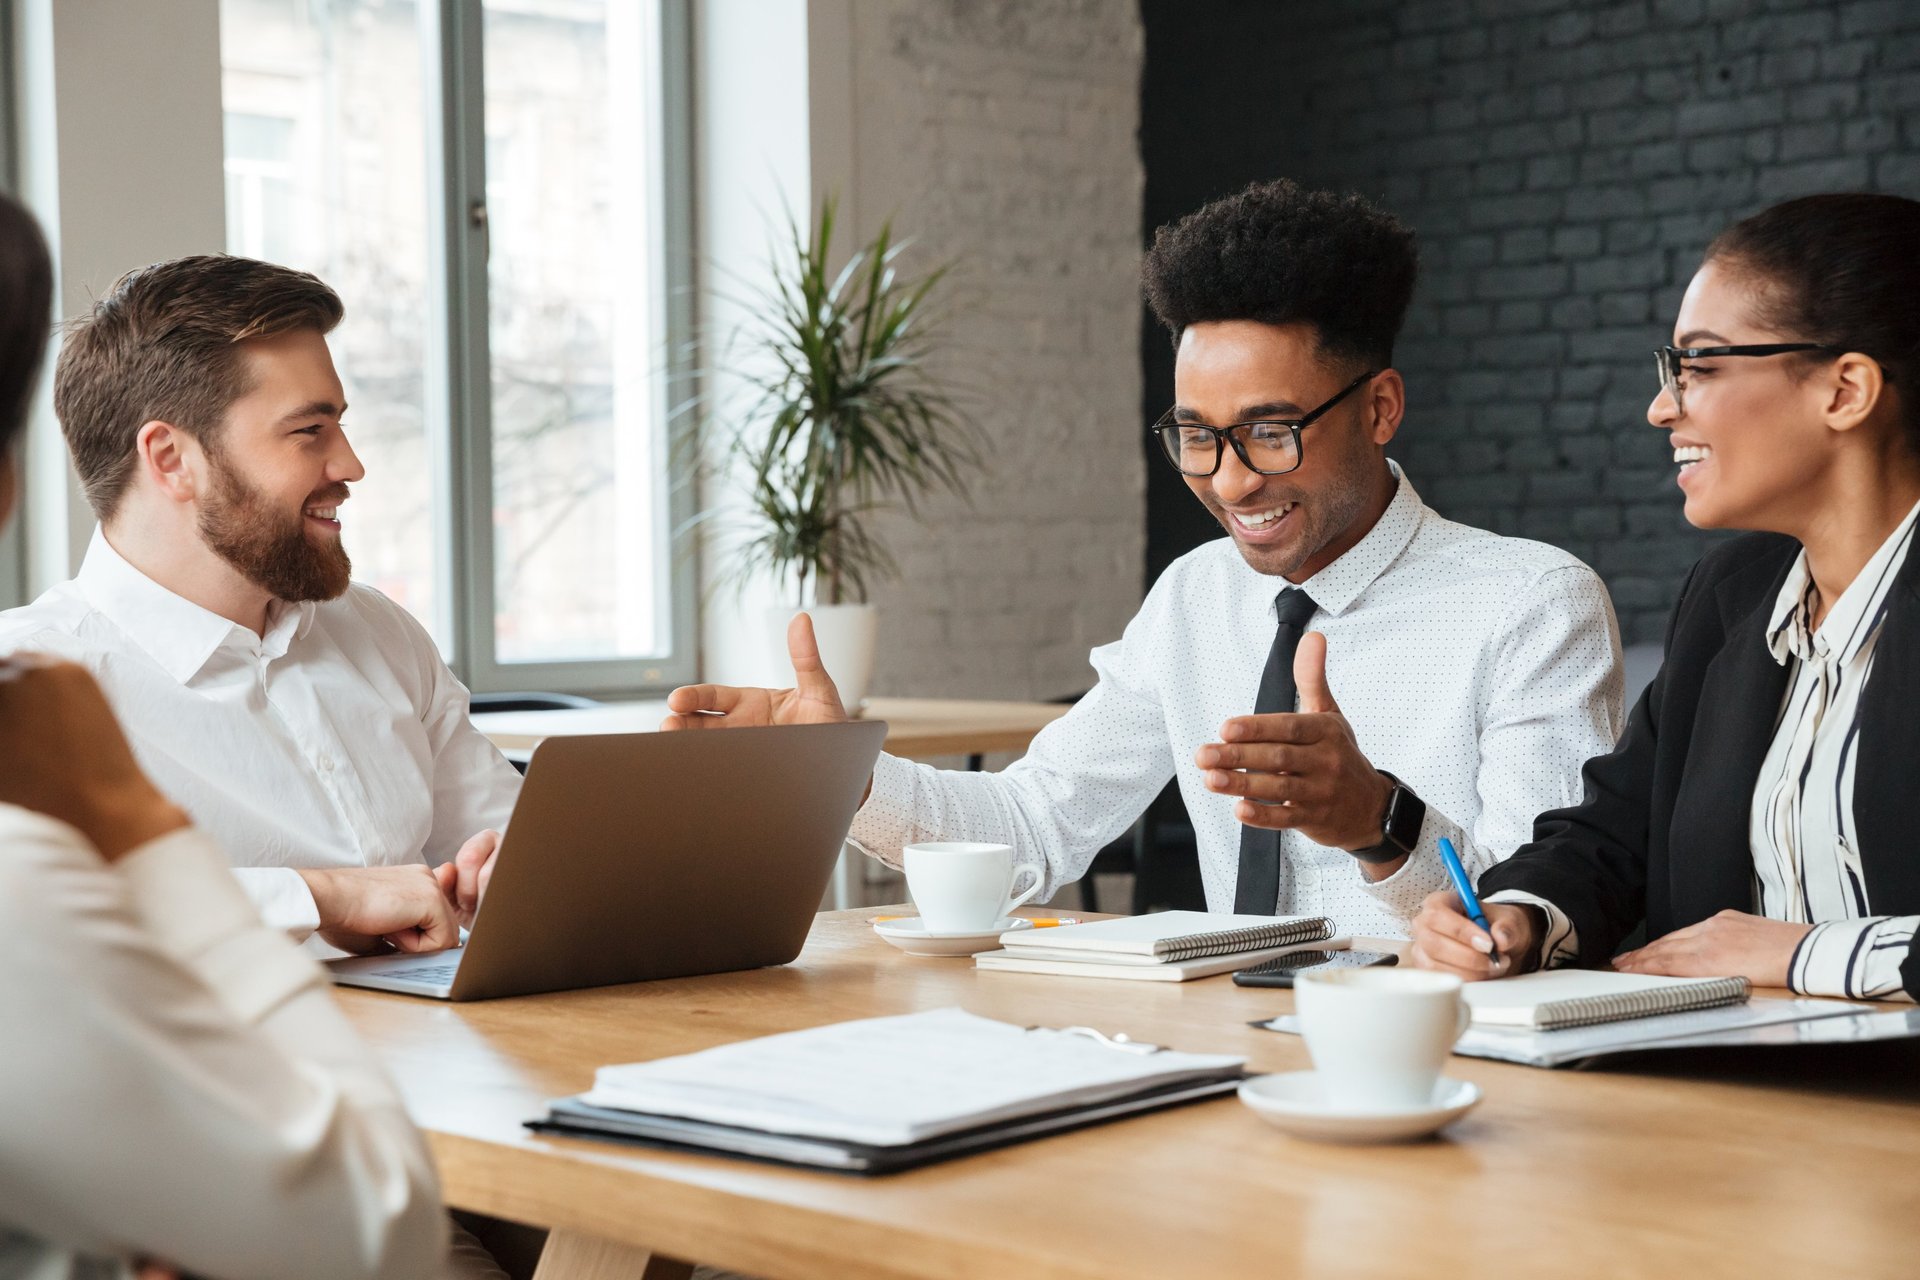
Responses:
[482,702]
[530,702]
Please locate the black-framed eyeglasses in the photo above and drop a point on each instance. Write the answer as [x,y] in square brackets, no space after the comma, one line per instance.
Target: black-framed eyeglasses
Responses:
[1669,358]
[1268,448]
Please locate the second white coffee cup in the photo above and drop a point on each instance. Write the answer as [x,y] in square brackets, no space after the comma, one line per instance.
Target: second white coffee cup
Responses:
[963,886]
[1378,1037]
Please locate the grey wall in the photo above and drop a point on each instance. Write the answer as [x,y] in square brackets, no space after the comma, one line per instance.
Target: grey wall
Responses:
[1564,168]
[1001,137]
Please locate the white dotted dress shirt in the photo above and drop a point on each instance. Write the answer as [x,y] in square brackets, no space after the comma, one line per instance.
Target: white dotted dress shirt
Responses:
[1483,671]
[337,739]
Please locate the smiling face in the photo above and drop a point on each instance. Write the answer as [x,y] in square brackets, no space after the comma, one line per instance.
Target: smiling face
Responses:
[280,465]
[1292,525]
[1750,444]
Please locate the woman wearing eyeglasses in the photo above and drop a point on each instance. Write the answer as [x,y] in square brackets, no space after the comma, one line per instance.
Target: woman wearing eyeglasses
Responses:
[1760,812]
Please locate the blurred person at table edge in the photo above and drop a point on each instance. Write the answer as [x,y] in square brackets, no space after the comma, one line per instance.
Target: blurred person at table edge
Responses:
[181,1091]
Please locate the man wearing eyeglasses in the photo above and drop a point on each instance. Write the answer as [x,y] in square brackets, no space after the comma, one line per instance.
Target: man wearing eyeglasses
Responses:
[1346,678]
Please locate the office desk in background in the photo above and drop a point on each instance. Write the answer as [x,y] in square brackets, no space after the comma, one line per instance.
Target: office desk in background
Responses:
[1758,1167]
[917,728]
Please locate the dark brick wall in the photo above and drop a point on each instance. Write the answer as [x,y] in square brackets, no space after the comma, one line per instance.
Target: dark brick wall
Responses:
[1564,167]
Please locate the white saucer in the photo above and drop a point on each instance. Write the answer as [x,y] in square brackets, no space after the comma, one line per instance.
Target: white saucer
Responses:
[1296,1103]
[911,936]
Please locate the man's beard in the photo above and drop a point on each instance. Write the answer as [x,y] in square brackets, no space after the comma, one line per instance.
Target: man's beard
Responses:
[267,545]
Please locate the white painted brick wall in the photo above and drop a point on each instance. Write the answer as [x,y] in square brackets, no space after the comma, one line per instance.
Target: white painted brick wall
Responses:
[1000,134]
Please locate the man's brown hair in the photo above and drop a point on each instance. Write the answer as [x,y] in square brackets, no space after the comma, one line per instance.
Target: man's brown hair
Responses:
[163,345]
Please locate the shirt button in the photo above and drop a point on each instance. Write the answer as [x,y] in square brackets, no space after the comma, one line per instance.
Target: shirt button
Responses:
[326,764]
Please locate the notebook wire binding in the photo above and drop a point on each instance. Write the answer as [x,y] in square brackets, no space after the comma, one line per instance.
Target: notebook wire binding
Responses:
[1587,1011]
[1223,942]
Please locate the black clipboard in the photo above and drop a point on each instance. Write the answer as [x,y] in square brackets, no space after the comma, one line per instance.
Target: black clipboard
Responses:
[569,1117]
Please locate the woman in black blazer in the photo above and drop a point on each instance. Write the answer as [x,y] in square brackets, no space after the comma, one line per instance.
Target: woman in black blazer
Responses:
[1761,814]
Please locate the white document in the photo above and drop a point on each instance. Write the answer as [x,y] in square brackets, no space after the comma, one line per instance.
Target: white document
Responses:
[892,1081]
[1758,1022]
[1725,1025]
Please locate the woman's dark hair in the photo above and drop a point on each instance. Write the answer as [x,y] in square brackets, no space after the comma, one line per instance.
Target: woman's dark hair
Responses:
[1842,270]
[26,314]
[1278,253]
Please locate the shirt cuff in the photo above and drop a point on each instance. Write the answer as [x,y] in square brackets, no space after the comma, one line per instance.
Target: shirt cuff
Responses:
[281,898]
[884,823]
[1854,959]
[196,911]
[1422,873]
[1561,946]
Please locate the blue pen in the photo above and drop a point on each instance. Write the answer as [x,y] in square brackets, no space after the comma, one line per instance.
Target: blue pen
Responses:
[1458,874]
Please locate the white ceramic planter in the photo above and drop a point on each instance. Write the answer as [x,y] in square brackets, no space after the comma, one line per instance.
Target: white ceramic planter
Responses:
[849,639]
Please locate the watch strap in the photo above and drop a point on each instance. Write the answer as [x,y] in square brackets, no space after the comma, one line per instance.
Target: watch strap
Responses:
[1400,824]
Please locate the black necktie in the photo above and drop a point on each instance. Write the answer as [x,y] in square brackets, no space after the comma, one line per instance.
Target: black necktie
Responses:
[1257,892]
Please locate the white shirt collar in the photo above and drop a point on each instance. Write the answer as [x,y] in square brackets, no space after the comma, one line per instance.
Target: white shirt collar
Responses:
[173,630]
[1854,617]
[1336,587]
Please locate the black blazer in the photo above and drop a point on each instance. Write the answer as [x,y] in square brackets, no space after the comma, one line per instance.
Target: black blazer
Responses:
[1661,834]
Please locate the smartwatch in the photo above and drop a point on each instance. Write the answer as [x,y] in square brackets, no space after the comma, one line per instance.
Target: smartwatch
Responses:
[1400,824]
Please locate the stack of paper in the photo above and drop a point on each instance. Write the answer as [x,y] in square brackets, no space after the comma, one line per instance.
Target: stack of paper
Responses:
[886,1093]
[1167,946]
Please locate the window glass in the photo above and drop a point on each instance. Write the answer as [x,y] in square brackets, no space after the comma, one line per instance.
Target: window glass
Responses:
[325,171]
[579,553]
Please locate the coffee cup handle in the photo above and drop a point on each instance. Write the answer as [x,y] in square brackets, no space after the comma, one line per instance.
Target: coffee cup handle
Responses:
[1020,899]
[1461,1020]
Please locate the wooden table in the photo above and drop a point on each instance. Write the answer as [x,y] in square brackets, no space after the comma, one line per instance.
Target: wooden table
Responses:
[917,728]
[1788,1162]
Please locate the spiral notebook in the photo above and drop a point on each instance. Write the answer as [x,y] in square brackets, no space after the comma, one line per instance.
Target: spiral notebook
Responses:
[1562,998]
[1167,946]
[1171,936]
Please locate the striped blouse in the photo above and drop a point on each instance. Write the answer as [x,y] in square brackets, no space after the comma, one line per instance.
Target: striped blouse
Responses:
[1805,849]
[1806,861]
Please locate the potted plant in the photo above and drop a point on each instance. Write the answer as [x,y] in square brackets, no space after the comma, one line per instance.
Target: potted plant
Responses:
[843,420]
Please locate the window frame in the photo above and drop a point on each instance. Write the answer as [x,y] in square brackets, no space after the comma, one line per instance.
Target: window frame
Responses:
[458,375]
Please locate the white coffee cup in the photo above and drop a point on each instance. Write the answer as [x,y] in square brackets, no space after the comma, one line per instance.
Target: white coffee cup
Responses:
[1378,1037]
[964,887]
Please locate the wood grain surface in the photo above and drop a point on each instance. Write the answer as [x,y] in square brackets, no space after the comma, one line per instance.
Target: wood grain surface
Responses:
[1796,1161]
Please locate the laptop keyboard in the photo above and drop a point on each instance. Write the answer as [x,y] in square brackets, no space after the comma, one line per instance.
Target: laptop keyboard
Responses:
[430,972]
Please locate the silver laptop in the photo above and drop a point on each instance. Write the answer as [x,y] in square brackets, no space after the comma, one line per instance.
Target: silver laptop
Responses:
[635,856]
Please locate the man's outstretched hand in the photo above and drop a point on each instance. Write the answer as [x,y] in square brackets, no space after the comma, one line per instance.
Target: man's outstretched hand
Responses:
[1304,769]
[812,700]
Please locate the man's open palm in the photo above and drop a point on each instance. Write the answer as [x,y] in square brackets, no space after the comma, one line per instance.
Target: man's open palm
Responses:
[812,700]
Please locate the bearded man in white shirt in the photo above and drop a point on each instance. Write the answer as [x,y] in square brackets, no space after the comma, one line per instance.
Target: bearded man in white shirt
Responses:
[307,722]
[1453,681]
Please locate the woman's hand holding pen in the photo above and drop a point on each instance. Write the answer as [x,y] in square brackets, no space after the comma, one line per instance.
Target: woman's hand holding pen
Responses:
[1445,939]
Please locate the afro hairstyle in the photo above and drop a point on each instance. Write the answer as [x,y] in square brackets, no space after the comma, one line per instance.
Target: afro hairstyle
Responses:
[1278,254]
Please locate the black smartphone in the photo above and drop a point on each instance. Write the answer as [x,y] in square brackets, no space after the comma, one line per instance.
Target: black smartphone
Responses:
[1280,971]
